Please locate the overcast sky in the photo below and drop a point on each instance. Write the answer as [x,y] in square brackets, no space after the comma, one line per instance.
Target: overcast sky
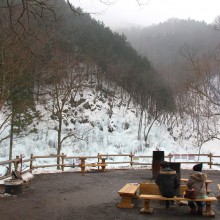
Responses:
[120,13]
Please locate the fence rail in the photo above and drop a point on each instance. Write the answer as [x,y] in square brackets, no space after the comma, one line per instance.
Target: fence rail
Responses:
[101,160]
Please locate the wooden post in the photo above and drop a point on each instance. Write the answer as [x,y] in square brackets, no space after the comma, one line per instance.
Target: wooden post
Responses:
[147,208]
[210,161]
[31,163]
[16,164]
[98,159]
[83,164]
[104,164]
[170,156]
[62,158]
[131,156]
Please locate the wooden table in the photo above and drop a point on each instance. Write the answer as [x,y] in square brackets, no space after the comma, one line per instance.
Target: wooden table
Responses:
[98,164]
[128,192]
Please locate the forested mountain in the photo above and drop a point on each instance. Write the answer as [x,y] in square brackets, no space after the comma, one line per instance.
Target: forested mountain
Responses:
[168,46]
[52,36]
[186,54]
[54,58]
[51,50]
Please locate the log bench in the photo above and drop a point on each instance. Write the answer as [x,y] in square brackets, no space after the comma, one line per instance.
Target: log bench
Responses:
[150,191]
[83,164]
[153,189]
[147,198]
[128,192]
[218,196]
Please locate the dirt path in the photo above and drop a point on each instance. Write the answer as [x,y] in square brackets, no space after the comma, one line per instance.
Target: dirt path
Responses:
[91,197]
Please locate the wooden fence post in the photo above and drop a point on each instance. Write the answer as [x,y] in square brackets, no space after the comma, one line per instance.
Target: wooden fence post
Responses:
[16,164]
[62,158]
[131,156]
[83,165]
[210,160]
[31,163]
[170,156]
[98,159]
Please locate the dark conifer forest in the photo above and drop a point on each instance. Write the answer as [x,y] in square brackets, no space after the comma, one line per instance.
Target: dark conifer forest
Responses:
[40,37]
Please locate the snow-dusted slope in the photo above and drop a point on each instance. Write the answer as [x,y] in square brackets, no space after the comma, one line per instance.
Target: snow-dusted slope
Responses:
[100,124]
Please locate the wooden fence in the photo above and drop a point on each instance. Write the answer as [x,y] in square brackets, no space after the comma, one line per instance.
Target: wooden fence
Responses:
[101,160]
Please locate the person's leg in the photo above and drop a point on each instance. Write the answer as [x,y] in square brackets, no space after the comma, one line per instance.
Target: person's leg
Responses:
[167,204]
[200,207]
[192,207]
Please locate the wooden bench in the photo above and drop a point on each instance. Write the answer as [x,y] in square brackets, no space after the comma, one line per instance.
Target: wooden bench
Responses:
[147,198]
[218,196]
[128,192]
[150,191]
[83,164]
[153,189]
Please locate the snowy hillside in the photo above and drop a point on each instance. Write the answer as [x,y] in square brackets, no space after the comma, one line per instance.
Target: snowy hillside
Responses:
[101,124]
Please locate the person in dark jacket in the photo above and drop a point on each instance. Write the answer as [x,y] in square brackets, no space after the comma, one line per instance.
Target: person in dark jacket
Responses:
[196,181]
[167,181]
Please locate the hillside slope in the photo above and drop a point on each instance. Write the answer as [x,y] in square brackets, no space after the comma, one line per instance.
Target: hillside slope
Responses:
[99,124]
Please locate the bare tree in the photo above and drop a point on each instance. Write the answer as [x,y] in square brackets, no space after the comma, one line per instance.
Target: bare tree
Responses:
[216,23]
[66,81]
[22,40]
[201,99]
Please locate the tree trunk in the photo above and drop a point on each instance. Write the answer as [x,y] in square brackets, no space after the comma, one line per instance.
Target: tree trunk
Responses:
[140,125]
[59,139]
[11,139]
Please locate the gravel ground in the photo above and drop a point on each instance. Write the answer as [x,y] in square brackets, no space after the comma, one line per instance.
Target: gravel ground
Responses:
[70,195]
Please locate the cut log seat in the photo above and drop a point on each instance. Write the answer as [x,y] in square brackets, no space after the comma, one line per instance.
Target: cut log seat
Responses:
[128,192]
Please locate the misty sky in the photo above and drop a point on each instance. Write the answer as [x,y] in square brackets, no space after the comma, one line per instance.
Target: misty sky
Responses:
[121,13]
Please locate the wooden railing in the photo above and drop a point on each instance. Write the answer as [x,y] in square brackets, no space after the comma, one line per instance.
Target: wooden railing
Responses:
[16,162]
[184,156]
[102,159]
